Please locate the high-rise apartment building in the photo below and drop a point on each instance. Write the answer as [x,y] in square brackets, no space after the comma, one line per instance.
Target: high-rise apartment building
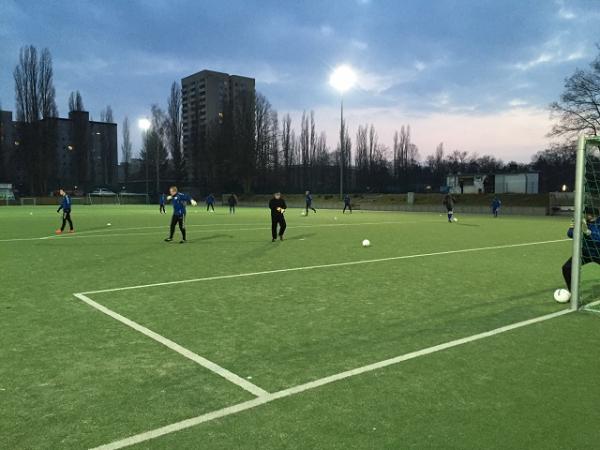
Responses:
[207,97]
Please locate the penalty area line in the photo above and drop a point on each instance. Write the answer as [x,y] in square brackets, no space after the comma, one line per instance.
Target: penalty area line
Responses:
[322,266]
[207,364]
[261,400]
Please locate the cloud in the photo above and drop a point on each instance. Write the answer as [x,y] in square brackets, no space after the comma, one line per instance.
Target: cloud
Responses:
[379,82]
[360,45]
[517,102]
[553,51]
[563,12]
[326,30]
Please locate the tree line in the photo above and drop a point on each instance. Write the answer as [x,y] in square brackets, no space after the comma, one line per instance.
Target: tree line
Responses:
[33,160]
[250,148]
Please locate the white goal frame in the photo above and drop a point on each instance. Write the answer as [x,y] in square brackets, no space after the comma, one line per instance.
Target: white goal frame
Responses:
[34,201]
[580,167]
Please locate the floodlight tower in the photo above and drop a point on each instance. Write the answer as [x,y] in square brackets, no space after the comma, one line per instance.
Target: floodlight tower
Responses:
[342,79]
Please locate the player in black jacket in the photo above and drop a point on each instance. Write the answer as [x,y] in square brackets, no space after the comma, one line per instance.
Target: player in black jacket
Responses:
[277,206]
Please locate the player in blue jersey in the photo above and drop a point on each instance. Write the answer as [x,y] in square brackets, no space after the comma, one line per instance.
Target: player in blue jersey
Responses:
[496,204]
[65,207]
[309,199]
[162,201]
[210,202]
[347,204]
[179,201]
[590,247]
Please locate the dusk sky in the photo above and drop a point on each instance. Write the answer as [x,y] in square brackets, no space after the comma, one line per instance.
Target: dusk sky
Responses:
[477,75]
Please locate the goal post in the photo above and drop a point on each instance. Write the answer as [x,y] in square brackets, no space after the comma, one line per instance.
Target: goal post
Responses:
[587,195]
[28,201]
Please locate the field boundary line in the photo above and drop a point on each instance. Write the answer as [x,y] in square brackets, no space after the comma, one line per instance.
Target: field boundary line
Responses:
[322,266]
[239,407]
[207,364]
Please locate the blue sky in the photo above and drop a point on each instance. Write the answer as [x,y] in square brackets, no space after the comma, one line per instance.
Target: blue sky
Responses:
[475,74]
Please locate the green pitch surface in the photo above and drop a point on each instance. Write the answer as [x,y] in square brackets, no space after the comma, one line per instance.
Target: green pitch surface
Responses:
[232,341]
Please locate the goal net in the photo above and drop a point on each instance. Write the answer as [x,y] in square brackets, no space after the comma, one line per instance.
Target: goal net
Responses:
[585,274]
[28,201]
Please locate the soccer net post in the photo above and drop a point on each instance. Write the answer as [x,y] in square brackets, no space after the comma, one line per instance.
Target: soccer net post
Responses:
[28,201]
[587,197]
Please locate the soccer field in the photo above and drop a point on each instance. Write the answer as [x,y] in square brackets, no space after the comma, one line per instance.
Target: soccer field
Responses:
[437,336]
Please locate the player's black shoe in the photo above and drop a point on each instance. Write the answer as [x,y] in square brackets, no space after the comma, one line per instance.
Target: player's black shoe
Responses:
[273,240]
[168,239]
[281,238]
[183,241]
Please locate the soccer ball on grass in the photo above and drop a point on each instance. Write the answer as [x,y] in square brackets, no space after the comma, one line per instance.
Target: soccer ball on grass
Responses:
[562,295]
[366,243]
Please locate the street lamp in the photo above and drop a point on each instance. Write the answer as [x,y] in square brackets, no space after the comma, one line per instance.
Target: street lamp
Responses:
[144,125]
[342,79]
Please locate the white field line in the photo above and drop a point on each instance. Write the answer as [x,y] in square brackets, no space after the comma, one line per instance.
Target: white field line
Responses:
[589,307]
[178,426]
[27,239]
[322,266]
[261,228]
[213,367]
[154,227]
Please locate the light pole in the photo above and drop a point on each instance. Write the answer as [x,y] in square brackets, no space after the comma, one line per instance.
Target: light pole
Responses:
[342,79]
[144,125]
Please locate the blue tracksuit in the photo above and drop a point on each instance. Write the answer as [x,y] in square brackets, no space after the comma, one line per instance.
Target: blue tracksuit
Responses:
[496,206]
[179,203]
[591,243]
[309,203]
[162,199]
[65,204]
[590,249]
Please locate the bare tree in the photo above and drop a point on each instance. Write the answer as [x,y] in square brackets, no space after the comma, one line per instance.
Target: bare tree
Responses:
[47,93]
[126,148]
[76,102]
[274,147]
[174,130]
[361,150]
[305,148]
[262,138]
[312,150]
[106,115]
[26,76]
[372,146]
[286,145]
[35,100]
[436,161]
[578,109]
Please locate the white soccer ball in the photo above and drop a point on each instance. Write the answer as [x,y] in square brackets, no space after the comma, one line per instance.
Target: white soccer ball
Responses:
[302,213]
[366,243]
[562,295]
[108,224]
[335,218]
[455,219]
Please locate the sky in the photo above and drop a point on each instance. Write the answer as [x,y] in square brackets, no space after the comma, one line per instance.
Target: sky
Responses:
[477,75]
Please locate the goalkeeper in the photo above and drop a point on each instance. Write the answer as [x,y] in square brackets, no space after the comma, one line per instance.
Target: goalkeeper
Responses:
[179,200]
[590,247]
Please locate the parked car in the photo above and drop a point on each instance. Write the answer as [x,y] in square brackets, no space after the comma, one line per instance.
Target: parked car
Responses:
[101,192]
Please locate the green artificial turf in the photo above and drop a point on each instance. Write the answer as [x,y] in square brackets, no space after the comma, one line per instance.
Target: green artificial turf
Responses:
[72,377]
